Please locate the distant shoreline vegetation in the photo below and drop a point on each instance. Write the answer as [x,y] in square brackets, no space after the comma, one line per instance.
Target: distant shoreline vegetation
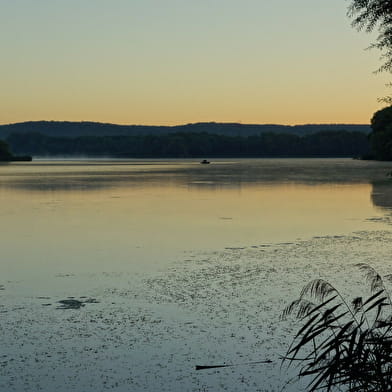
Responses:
[85,128]
[6,156]
[331,143]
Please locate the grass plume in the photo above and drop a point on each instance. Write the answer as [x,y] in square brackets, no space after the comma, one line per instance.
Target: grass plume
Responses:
[343,346]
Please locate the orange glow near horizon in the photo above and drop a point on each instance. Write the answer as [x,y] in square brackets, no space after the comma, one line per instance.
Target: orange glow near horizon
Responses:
[141,63]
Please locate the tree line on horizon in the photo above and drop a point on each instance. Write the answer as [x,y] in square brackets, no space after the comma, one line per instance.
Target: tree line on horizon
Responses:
[5,154]
[188,145]
[86,128]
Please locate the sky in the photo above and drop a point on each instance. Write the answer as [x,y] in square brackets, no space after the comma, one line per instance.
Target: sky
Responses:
[167,62]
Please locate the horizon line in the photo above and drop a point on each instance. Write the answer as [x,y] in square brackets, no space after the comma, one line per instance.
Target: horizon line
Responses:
[182,124]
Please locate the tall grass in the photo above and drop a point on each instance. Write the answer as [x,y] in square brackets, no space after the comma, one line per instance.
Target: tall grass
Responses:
[343,346]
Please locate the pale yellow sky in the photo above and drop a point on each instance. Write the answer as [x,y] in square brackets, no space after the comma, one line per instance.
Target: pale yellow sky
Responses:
[181,61]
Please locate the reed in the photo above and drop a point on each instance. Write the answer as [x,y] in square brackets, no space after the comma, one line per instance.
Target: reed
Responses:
[343,346]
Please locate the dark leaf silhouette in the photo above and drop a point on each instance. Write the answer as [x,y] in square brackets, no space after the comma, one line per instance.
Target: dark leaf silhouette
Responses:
[344,346]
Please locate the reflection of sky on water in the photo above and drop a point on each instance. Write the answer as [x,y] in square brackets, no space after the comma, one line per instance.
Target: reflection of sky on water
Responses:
[88,176]
[64,176]
[81,216]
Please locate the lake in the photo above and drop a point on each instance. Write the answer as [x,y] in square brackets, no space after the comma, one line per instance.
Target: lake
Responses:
[176,264]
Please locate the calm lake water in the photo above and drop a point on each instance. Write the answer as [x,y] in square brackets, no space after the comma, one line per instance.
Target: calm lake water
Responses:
[65,216]
[155,223]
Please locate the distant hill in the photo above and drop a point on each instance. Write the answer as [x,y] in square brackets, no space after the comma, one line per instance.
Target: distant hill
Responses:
[77,129]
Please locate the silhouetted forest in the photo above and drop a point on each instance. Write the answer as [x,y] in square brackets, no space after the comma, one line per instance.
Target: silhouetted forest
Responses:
[183,145]
[76,129]
[6,155]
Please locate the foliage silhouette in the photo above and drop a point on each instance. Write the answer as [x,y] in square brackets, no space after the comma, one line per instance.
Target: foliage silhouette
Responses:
[375,15]
[343,346]
[183,145]
[381,137]
[6,156]
[372,15]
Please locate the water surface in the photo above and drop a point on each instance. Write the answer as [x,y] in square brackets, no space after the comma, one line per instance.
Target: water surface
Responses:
[188,264]
[65,216]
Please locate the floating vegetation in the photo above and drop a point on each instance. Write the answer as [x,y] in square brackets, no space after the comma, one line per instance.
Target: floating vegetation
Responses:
[75,303]
[150,331]
[70,304]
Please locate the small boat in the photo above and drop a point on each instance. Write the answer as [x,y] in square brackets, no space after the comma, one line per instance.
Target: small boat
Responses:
[204,162]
